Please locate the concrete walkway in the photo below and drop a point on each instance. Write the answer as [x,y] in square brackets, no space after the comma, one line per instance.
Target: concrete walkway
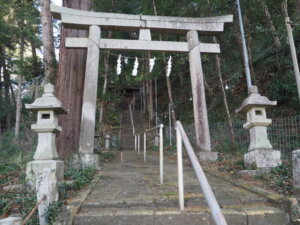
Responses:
[129,192]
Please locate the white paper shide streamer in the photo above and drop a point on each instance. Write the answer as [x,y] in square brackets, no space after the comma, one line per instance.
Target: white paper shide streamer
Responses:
[136,66]
[169,67]
[151,64]
[119,68]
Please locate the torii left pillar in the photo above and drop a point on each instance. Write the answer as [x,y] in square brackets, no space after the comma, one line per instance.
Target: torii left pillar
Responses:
[88,114]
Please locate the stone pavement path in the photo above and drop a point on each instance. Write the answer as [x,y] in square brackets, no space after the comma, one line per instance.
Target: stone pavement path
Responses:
[129,192]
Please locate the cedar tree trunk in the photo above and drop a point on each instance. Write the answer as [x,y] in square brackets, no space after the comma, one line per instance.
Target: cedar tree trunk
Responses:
[70,83]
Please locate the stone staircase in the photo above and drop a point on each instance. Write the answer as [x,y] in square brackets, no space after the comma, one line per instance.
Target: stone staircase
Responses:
[129,193]
[127,138]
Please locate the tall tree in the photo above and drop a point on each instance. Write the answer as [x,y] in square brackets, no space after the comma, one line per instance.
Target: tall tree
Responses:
[106,71]
[48,42]
[298,9]
[70,83]
[169,85]
[229,120]
[35,68]
[271,25]
[20,78]
[6,78]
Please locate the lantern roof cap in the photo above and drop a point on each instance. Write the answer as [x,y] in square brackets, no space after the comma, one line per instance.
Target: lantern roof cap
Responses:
[48,101]
[255,99]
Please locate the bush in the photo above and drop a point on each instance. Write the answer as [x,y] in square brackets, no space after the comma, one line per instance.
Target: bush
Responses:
[81,177]
[282,178]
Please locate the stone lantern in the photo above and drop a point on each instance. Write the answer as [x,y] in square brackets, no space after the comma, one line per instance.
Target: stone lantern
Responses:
[47,107]
[261,154]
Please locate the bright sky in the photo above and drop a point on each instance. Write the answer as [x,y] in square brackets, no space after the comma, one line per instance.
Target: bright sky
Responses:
[57,2]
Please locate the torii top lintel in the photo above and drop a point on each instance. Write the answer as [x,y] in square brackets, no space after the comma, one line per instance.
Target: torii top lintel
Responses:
[74,18]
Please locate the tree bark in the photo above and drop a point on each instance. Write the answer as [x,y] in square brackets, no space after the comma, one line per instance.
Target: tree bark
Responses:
[144,96]
[238,40]
[298,9]
[208,89]
[36,93]
[6,79]
[19,96]
[1,97]
[229,120]
[69,84]
[48,42]
[169,87]
[106,71]
[150,97]
[35,71]
[271,25]
[249,43]
[13,97]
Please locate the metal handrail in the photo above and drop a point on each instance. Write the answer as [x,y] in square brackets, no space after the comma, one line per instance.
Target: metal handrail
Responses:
[161,153]
[207,191]
[150,129]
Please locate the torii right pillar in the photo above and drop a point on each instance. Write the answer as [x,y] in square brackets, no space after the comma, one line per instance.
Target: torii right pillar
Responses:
[199,100]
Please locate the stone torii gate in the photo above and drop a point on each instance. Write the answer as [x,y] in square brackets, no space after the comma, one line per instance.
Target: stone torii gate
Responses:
[95,21]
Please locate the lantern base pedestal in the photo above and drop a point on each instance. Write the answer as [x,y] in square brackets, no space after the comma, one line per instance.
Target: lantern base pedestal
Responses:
[208,156]
[262,158]
[54,166]
[86,160]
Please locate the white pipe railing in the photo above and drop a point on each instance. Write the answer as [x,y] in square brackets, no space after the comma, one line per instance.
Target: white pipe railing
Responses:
[135,143]
[161,144]
[170,125]
[139,143]
[145,146]
[207,191]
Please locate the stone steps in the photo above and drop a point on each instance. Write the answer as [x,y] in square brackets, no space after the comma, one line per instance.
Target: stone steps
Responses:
[251,215]
[167,203]
[129,193]
[127,139]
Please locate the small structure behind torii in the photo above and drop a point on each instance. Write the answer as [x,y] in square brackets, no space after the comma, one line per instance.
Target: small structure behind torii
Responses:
[95,21]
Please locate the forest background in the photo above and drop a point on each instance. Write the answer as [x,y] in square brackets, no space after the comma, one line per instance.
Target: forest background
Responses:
[22,67]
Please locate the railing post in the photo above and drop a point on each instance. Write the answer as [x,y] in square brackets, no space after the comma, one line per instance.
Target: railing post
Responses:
[135,142]
[139,144]
[170,125]
[161,154]
[145,146]
[215,209]
[180,169]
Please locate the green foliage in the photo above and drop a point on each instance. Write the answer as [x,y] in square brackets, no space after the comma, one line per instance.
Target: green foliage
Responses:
[13,158]
[80,177]
[32,68]
[170,194]
[8,145]
[272,68]
[281,177]
[231,165]
[154,148]
[21,202]
[52,211]
[107,156]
